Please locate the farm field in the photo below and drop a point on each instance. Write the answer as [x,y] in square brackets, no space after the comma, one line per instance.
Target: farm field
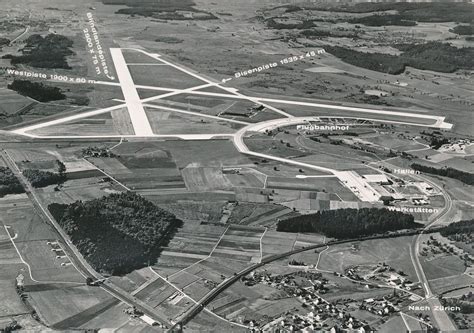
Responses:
[443,267]
[204,79]
[153,170]
[78,304]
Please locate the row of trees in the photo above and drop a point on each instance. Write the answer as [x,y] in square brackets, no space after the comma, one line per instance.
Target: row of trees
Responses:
[349,223]
[9,184]
[382,20]
[465,177]
[36,90]
[420,12]
[306,24]
[39,178]
[117,233]
[435,56]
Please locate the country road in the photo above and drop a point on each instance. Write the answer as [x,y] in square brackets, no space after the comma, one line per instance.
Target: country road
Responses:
[76,258]
[199,306]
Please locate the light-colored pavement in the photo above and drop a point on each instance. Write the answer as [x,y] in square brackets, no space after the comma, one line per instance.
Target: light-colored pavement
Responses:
[25,130]
[143,128]
[138,116]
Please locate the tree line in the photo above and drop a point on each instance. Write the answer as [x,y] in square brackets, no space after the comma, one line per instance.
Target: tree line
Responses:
[117,233]
[465,177]
[349,223]
[435,56]
[39,178]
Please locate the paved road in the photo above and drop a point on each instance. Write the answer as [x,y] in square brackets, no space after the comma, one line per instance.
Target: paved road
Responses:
[76,258]
[440,316]
[27,29]
[199,306]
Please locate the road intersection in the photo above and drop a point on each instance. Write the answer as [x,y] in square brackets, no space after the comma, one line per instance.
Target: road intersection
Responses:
[142,127]
[141,124]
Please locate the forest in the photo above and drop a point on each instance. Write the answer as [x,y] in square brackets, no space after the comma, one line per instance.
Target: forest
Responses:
[9,184]
[463,29]
[349,223]
[118,233]
[465,177]
[44,52]
[435,56]
[36,90]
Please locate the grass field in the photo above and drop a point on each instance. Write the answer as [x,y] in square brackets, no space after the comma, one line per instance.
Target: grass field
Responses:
[304,111]
[443,267]
[389,141]
[394,325]
[62,307]
[205,179]
[393,251]
[256,214]
[167,122]
[328,185]
[10,266]
[275,242]
[12,102]
[442,285]
[31,237]
[98,125]
[206,153]
[115,318]
[162,76]
[195,210]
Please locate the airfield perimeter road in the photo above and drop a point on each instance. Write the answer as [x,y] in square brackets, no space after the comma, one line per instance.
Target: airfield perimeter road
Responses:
[76,258]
